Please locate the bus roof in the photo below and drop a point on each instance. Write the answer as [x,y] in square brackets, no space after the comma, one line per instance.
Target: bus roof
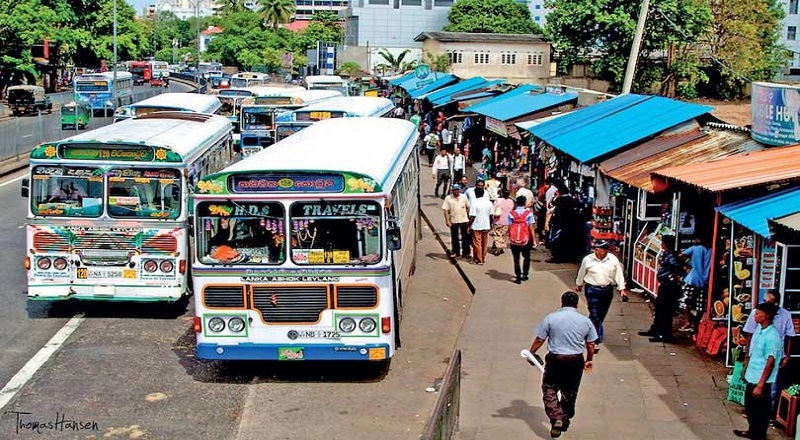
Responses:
[250,75]
[324,79]
[193,102]
[185,134]
[371,148]
[272,89]
[121,74]
[361,106]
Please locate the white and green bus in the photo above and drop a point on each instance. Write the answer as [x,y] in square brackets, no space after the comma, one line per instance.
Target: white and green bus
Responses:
[298,249]
[289,123]
[108,215]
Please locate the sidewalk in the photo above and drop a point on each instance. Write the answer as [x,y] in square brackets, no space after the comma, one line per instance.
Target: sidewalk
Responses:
[638,389]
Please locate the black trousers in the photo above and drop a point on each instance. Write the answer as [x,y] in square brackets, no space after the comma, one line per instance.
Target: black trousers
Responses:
[758,411]
[665,305]
[462,243]
[443,180]
[430,152]
[562,378]
[525,253]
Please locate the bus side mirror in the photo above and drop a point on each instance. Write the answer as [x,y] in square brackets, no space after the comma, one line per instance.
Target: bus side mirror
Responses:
[25,187]
[190,225]
[394,242]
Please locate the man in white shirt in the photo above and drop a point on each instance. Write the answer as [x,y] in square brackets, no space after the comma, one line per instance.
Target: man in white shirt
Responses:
[447,138]
[493,188]
[480,221]
[456,217]
[525,192]
[441,172]
[600,272]
[470,192]
[459,165]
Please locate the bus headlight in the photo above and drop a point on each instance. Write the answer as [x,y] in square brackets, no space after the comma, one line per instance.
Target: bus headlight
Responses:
[60,264]
[347,325]
[150,266]
[367,325]
[166,266]
[216,325]
[44,264]
[236,324]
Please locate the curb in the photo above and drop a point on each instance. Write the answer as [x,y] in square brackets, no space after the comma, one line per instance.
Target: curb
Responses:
[453,260]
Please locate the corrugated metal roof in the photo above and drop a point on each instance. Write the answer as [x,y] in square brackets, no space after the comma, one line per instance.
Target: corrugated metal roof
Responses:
[472,91]
[401,79]
[452,89]
[743,170]
[594,131]
[754,214]
[442,79]
[790,221]
[712,145]
[526,125]
[519,102]
[679,135]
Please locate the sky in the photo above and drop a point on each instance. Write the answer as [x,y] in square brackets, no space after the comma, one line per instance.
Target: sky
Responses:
[138,5]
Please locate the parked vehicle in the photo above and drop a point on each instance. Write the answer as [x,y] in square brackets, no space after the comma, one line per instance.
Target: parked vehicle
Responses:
[24,100]
[75,115]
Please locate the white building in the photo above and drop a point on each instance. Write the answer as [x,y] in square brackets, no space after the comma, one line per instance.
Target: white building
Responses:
[392,24]
[538,12]
[790,37]
[183,9]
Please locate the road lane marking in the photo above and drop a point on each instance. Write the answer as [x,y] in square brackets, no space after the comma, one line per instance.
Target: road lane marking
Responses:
[38,360]
[14,180]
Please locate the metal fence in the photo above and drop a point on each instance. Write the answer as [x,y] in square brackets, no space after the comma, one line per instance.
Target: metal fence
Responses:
[202,87]
[443,423]
[19,135]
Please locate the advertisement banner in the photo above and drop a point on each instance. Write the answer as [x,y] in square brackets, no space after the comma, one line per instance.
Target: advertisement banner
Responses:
[775,113]
[496,126]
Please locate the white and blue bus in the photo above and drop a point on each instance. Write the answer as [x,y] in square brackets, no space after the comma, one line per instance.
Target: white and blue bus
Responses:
[304,249]
[99,91]
[327,82]
[183,102]
[291,122]
[108,215]
[249,79]
[258,119]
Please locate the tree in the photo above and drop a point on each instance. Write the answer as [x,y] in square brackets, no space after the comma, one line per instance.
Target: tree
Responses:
[393,62]
[438,63]
[349,68]
[491,16]
[275,12]
[600,33]
[744,43]
[324,26]
[227,7]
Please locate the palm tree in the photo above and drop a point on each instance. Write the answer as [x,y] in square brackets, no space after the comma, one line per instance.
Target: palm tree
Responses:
[438,63]
[394,62]
[275,12]
[227,7]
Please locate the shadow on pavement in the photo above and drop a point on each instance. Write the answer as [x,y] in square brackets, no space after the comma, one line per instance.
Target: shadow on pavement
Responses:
[116,309]
[535,417]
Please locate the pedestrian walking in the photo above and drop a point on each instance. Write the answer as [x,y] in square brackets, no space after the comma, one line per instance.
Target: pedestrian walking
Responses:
[695,283]
[568,334]
[600,272]
[431,145]
[447,138]
[459,165]
[456,217]
[760,371]
[502,209]
[441,172]
[480,221]
[670,271]
[521,236]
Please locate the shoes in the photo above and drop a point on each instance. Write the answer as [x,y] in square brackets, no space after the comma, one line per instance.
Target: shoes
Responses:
[517,281]
[557,428]
[663,339]
[566,425]
[740,433]
[647,333]
[524,278]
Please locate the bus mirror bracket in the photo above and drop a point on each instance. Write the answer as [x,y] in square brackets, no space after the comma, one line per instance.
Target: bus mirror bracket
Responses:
[393,236]
[190,225]
[25,187]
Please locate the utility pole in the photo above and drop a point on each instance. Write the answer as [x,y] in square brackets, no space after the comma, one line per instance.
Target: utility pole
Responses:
[637,43]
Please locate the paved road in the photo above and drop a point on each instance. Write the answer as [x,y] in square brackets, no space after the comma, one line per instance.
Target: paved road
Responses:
[20,135]
[131,372]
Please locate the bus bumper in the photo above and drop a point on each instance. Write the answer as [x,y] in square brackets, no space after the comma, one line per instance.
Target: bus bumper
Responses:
[104,293]
[288,352]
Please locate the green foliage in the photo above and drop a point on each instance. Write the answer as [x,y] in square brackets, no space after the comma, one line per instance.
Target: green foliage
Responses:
[227,7]
[349,68]
[491,16]
[393,62]
[275,12]
[324,26]
[438,63]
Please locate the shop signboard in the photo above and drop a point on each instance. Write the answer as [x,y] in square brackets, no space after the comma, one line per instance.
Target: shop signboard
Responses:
[767,273]
[741,287]
[496,126]
[775,108]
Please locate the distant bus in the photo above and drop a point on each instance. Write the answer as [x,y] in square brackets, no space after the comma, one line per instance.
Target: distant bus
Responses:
[160,69]
[291,122]
[304,250]
[249,79]
[234,97]
[204,69]
[184,102]
[142,71]
[328,82]
[258,119]
[99,91]
[108,215]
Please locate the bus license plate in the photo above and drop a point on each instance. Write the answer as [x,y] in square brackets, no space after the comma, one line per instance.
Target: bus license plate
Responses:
[320,115]
[86,273]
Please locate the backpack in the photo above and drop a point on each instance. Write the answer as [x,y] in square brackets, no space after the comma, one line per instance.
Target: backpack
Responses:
[519,233]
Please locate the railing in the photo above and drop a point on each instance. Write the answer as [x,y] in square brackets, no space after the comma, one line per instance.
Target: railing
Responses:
[443,423]
[202,86]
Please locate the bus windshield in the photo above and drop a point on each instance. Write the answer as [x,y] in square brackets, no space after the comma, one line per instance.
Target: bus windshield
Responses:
[150,193]
[241,233]
[67,191]
[255,118]
[346,232]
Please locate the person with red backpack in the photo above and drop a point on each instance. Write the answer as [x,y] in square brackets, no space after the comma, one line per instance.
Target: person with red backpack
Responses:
[521,237]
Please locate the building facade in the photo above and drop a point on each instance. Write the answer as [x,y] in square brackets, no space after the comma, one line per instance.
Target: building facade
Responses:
[538,12]
[513,57]
[392,23]
[790,37]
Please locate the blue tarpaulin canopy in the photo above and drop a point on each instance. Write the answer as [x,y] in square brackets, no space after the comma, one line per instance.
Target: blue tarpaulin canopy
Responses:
[591,132]
[400,80]
[456,92]
[754,214]
[521,101]
[416,87]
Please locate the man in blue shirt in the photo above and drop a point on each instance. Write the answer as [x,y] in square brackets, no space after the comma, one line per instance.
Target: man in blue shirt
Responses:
[568,334]
[695,283]
[760,370]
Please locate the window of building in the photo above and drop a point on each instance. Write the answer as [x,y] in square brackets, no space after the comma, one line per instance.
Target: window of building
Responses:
[481,57]
[535,59]
[508,58]
[791,35]
[456,57]
[446,3]
[538,7]
[793,6]
[537,18]
[412,2]
[379,2]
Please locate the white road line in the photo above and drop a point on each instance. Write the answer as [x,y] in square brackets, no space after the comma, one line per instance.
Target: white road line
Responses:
[35,363]
[13,180]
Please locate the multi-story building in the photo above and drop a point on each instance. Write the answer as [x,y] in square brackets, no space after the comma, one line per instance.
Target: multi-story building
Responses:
[790,37]
[183,9]
[538,12]
[392,23]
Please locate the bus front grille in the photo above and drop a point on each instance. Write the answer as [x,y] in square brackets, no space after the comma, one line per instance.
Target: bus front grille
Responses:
[50,242]
[356,296]
[290,304]
[159,244]
[105,241]
[224,296]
